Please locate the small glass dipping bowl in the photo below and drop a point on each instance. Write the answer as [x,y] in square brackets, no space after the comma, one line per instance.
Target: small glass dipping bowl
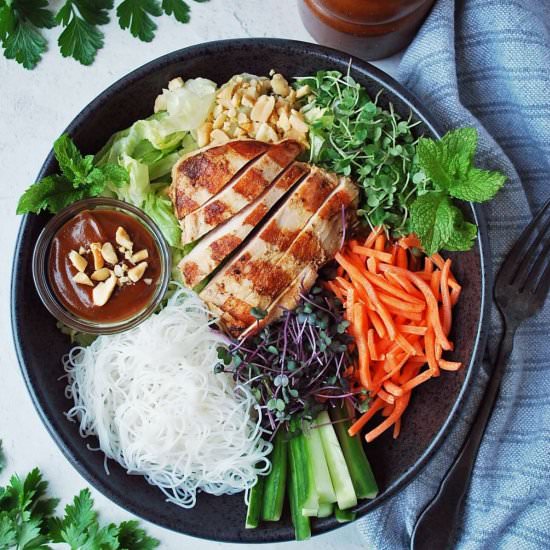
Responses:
[41,259]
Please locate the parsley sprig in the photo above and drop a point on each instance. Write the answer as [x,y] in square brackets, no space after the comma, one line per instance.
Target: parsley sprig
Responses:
[22,21]
[28,521]
[79,178]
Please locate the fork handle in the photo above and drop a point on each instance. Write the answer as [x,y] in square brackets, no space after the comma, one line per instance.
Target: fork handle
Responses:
[435,528]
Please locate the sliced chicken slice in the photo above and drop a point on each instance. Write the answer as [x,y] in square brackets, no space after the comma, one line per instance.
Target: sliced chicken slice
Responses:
[224,239]
[240,192]
[285,224]
[200,175]
[255,280]
[287,300]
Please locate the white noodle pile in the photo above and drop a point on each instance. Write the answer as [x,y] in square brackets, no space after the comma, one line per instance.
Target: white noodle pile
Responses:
[151,397]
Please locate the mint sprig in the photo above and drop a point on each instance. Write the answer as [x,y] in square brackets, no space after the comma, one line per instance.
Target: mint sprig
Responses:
[448,166]
[79,179]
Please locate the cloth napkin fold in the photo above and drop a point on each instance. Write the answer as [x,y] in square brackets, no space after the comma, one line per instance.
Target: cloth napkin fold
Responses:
[486,63]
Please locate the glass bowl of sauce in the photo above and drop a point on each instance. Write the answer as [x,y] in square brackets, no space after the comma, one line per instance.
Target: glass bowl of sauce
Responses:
[101,266]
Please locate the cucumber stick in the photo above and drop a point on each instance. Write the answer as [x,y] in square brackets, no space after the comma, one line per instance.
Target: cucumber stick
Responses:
[359,468]
[343,516]
[323,483]
[275,482]
[339,473]
[302,468]
[255,504]
[296,492]
[326,510]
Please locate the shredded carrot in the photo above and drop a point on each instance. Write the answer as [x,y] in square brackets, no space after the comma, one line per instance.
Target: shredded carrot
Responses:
[400,312]
[361,326]
[449,365]
[447,315]
[380,242]
[370,253]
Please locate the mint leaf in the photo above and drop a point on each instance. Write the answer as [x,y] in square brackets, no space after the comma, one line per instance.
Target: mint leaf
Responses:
[80,178]
[463,234]
[74,166]
[432,220]
[135,15]
[478,186]
[52,193]
[177,7]
[448,161]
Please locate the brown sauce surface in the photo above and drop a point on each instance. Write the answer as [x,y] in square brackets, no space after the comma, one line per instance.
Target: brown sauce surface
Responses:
[100,226]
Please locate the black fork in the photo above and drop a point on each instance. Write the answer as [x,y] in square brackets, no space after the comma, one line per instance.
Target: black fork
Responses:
[521,288]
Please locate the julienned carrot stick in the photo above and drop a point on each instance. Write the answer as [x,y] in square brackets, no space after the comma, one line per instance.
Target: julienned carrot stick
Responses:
[446,298]
[431,302]
[400,406]
[357,426]
[370,253]
[361,278]
[400,319]
[360,322]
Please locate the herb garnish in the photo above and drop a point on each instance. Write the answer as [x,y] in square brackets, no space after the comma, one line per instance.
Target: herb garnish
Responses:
[448,166]
[27,521]
[80,178]
[296,364]
[351,134]
[407,184]
[21,22]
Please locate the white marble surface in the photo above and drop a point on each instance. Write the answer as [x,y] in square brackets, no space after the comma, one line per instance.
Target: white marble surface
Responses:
[35,107]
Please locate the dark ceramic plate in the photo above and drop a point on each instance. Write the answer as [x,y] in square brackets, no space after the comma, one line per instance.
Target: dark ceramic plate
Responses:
[40,345]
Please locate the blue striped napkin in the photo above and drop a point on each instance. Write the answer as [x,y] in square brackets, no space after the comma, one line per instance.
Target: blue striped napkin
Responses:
[486,63]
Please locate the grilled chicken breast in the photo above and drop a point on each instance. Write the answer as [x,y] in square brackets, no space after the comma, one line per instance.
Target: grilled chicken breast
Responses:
[245,188]
[224,239]
[200,175]
[293,245]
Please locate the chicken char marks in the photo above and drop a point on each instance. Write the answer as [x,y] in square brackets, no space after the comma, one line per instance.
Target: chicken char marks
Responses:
[224,239]
[264,222]
[241,191]
[198,176]
[270,272]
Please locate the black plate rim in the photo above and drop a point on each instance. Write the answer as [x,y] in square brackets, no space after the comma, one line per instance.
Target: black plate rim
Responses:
[482,243]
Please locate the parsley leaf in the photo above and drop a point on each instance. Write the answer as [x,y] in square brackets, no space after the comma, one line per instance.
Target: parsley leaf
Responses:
[20,21]
[81,39]
[25,512]
[27,521]
[131,536]
[79,179]
[134,14]
[177,7]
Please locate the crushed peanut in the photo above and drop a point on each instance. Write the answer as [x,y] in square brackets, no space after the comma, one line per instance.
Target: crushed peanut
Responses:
[255,107]
[108,279]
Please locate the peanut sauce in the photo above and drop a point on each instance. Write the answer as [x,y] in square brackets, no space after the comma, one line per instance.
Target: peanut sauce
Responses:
[100,226]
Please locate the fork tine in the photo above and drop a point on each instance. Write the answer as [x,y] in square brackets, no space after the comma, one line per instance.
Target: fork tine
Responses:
[511,263]
[526,269]
[534,278]
[544,285]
